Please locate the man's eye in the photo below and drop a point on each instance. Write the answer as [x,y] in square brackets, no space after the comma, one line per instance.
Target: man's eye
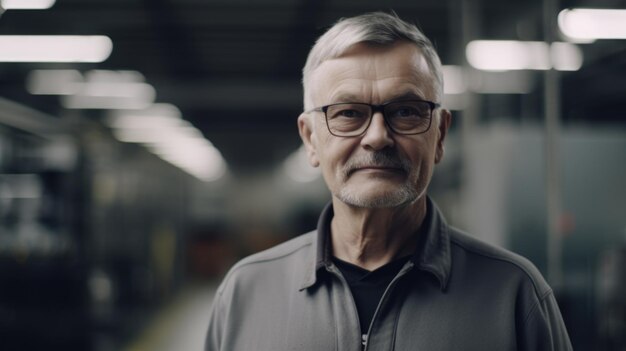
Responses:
[406,112]
[349,114]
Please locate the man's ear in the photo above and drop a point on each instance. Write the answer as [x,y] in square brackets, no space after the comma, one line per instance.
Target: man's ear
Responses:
[445,118]
[309,138]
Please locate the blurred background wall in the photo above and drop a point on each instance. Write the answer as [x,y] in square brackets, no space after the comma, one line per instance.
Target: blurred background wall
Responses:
[145,146]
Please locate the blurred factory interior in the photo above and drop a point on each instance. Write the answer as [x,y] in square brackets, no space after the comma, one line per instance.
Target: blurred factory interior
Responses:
[137,165]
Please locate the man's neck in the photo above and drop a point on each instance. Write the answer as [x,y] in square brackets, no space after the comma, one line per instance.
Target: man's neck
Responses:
[372,237]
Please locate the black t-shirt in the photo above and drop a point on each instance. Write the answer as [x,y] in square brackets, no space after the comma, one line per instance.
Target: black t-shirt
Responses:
[368,287]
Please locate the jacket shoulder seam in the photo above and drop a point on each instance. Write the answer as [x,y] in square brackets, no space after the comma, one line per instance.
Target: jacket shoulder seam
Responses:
[268,255]
[541,293]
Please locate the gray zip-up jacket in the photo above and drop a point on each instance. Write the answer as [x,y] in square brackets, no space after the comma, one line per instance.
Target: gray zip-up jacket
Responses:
[456,293]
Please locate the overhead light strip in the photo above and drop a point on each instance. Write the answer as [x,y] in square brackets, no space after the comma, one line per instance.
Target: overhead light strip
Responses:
[510,55]
[97,89]
[163,131]
[592,24]
[27,4]
[55,48]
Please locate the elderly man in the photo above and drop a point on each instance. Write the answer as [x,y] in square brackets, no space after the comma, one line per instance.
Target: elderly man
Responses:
[383,270]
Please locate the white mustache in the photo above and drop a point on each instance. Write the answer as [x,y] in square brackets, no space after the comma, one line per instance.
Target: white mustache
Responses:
[384,159]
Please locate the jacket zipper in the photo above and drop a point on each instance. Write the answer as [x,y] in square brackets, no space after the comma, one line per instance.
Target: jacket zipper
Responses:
[383,299]
[335,271]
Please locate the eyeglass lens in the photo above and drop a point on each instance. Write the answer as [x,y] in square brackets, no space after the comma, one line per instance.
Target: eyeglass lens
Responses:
[351,119]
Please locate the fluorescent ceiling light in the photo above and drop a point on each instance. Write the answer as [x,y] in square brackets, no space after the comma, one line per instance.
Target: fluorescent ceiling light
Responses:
[127,96]
[121,90]
[161,129]
[199,159]
[53,82]
[191,132]
[167,137]
[26,4]
[196,156]
[593,24]
[454,80]
[181,149]
[510,82]
[106,102]
[54,48]
[109,81]
[108,76]
[566,56]
[160,132]
[147,135]
[505,55]
[130,121]
[140,118]
[98,89]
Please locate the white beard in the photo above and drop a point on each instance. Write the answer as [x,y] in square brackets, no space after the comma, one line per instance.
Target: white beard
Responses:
[404,194]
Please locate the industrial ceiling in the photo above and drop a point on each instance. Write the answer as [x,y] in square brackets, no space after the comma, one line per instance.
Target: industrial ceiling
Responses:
[233,67]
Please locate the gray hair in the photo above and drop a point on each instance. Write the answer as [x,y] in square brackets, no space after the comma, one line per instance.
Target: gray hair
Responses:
[377,28]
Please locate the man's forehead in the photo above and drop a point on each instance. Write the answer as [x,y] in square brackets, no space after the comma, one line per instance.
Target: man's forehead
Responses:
[397,93]
[400,68]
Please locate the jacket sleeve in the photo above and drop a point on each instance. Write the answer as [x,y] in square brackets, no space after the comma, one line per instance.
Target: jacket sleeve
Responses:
[216,325]
[543,328]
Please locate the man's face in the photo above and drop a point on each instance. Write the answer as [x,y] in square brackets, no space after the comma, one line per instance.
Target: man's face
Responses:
[379,168]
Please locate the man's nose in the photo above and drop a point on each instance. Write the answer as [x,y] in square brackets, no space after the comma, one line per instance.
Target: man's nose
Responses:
[378,135]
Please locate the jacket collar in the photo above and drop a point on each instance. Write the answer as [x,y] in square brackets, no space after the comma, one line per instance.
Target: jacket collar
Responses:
[432,254]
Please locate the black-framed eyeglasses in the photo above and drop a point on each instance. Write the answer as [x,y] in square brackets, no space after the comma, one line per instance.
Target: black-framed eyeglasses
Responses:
[350,119]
